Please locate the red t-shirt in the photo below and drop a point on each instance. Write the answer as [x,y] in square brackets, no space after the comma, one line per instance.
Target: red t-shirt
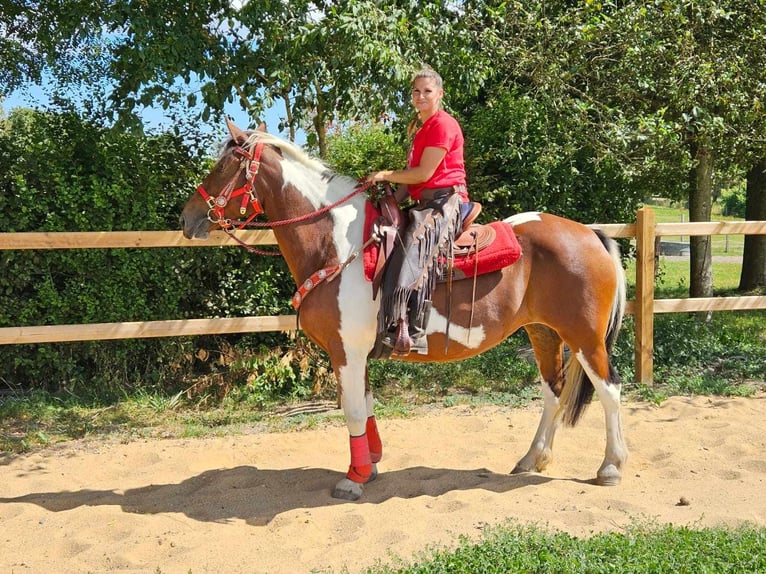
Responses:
[440,130]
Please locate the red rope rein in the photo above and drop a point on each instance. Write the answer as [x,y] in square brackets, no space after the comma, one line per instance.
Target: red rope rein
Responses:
[313,214]
[291,221]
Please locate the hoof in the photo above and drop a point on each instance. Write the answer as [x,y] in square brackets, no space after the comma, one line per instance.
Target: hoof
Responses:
[348,490]
[608,476]
[521,470]
[374,474]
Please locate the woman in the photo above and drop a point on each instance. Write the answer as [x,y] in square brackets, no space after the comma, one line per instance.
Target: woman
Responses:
[435,179]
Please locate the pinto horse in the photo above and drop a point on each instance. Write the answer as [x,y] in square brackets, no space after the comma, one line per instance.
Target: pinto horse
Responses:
[567,288]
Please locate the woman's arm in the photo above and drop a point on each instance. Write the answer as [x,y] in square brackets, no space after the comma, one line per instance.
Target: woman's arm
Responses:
[429,161]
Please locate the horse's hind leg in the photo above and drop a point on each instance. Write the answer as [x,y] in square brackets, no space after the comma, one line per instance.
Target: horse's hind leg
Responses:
[607,384]
[547,346]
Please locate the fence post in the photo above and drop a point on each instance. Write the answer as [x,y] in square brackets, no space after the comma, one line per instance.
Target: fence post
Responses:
[644,314]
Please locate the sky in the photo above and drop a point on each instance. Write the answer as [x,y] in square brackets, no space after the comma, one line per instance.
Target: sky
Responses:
[33,96]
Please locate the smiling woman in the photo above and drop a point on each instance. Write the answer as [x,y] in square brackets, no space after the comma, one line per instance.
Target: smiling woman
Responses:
[435,179]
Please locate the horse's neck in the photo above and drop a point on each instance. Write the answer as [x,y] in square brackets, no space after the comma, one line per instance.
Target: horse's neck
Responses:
[327,239]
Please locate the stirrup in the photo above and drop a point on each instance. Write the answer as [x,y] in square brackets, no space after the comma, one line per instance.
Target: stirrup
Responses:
[472,210]
[419,345]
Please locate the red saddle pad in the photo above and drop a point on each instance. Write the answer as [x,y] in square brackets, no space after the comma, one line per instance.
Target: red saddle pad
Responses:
[502,252]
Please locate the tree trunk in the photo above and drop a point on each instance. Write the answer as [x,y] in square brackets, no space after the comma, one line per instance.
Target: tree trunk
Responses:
[321,130]
[700,199]
[289,115]
[320,121]
[754,256]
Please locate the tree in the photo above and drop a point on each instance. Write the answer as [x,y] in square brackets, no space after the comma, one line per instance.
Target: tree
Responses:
[61,38]
[325,60]
[754,257]
[522,158]
[649,80]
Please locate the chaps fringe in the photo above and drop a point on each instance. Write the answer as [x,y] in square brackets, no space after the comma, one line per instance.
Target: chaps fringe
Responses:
[421,260]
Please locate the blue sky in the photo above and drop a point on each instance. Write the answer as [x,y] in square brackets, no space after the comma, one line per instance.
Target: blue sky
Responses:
[32,96]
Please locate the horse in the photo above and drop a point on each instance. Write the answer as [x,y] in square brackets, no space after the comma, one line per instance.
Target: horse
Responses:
[567,289]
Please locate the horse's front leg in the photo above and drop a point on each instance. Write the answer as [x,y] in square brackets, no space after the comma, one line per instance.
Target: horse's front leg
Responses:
[365,443]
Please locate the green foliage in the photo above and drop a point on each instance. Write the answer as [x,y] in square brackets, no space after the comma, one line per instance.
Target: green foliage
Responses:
[639,549]
[323,61]
[61,173]
[692,356]
[733,201]
[59,37]
[634,72]
[504,370]
[359,149]
[521,160]
[272,375]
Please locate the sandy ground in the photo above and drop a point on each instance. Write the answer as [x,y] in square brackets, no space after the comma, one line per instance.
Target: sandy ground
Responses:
[261,502]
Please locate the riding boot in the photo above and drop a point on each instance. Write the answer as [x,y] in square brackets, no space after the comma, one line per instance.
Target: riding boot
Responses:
[418,324]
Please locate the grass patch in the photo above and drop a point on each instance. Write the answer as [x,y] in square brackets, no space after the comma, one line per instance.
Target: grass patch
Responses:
[721,244]
[639,549]
[39,419]
[672,277]
[507,368]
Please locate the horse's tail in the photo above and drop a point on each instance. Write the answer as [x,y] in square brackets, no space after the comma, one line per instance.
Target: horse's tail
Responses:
[620,296]
[578,389]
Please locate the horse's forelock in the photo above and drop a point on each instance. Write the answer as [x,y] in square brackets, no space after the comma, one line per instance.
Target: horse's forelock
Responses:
[226,147]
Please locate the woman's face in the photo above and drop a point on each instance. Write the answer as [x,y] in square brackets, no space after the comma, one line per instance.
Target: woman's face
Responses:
[426,97]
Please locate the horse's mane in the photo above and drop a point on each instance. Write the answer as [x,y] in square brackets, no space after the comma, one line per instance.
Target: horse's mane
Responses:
[290,150]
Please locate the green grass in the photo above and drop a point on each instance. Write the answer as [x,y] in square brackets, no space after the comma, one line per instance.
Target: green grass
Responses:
[673,274]
[672,278]
[39,419]
[722,244]
[638,549]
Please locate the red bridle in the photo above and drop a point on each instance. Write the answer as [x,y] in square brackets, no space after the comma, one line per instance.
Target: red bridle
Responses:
[218,204]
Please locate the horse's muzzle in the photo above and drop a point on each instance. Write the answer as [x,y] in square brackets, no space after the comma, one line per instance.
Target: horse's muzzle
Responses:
[199,229]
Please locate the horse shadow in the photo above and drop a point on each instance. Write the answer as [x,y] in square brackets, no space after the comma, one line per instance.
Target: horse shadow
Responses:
[258,495]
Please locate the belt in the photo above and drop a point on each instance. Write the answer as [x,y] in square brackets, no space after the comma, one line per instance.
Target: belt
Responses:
[429,194]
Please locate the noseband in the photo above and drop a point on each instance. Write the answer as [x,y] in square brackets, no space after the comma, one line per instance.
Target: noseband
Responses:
[218,204]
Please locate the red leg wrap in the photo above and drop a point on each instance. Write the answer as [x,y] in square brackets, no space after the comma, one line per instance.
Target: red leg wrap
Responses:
[373,439]
[361,464]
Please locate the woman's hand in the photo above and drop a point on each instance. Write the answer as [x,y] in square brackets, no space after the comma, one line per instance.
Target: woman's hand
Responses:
[378,176]
[429,161]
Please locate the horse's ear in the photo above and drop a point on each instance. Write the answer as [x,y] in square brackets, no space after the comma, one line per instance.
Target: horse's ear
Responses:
[236,134]
[261,127]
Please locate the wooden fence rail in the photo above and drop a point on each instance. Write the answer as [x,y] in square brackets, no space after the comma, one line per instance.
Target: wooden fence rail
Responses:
[645,231]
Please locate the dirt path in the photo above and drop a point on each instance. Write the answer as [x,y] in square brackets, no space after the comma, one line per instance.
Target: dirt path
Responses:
[261,502]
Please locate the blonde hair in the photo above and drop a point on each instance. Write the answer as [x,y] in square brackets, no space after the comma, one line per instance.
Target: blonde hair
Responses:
[428,73]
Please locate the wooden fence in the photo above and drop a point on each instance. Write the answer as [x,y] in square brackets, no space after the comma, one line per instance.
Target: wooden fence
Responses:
[645,231]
